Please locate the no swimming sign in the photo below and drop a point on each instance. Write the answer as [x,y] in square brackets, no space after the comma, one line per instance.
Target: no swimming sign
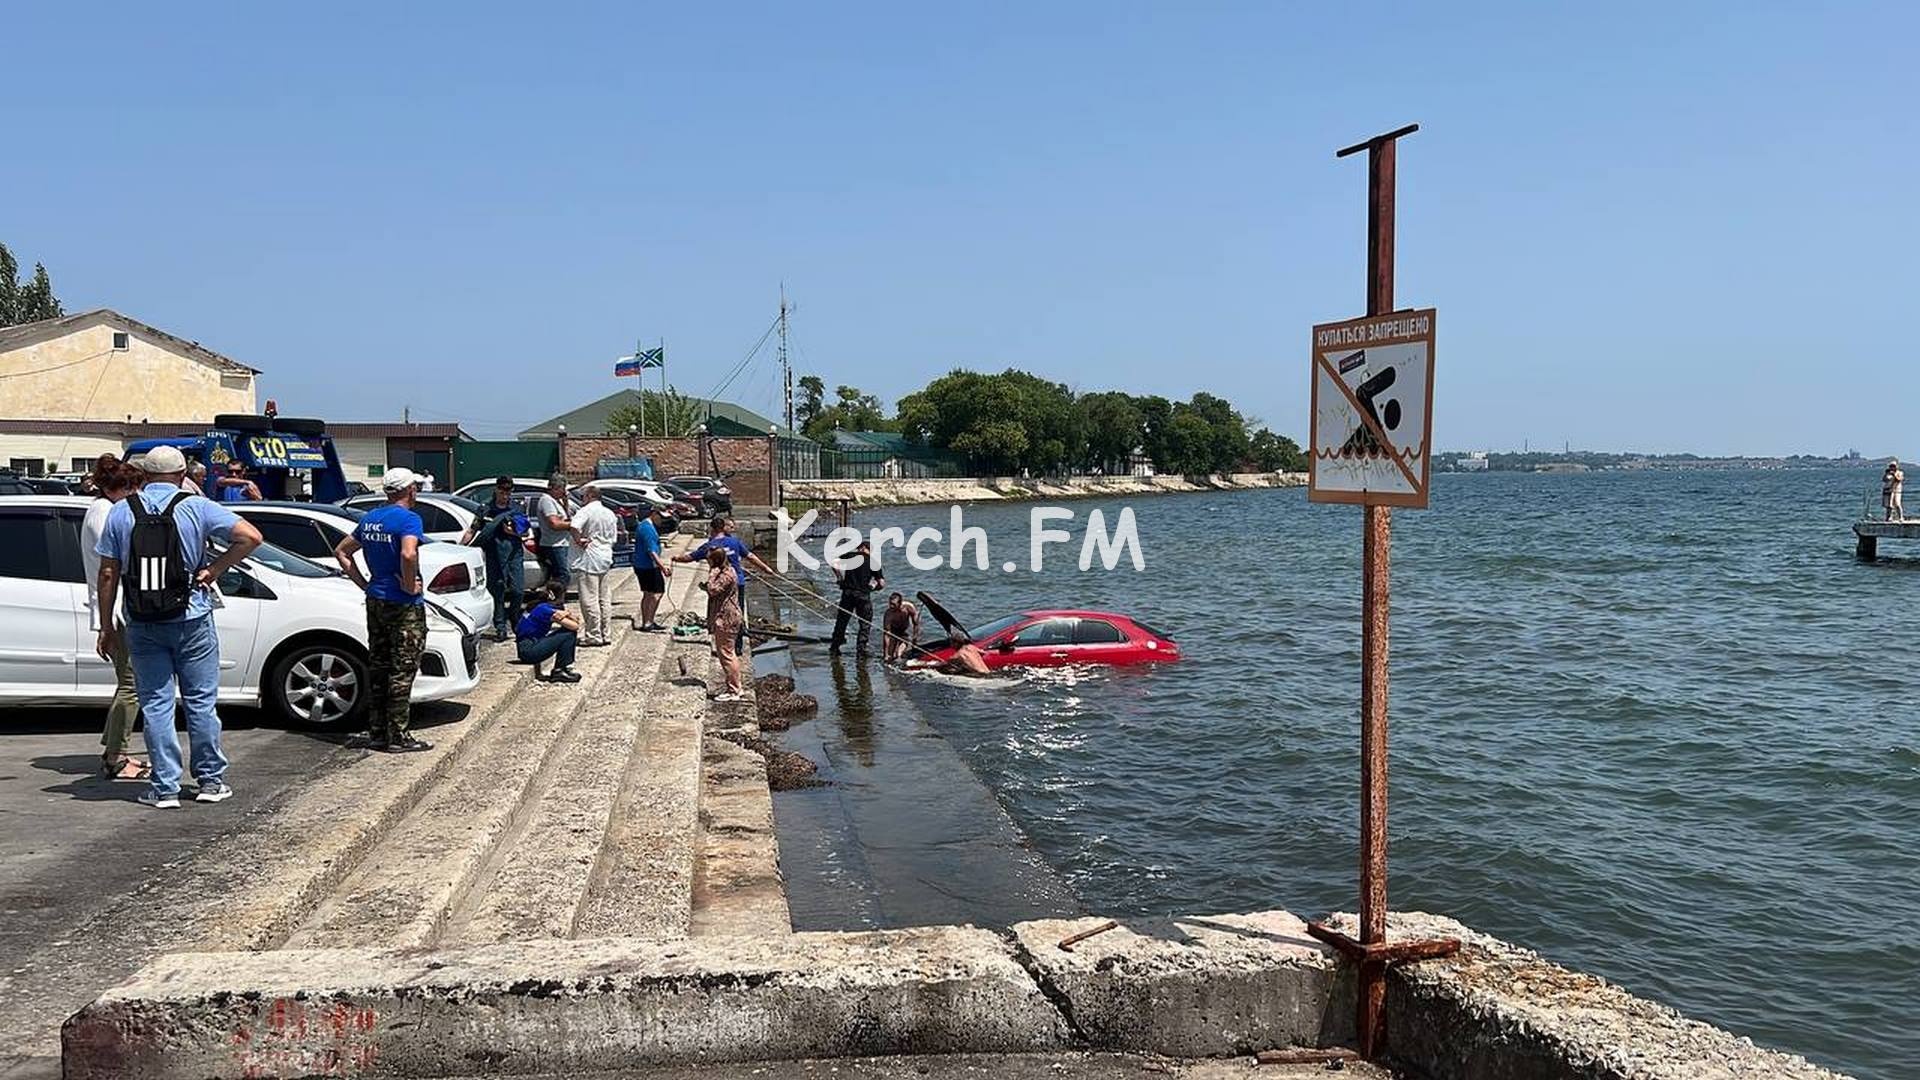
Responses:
[1373,410]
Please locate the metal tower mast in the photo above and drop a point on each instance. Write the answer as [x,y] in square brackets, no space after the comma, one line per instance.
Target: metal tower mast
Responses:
[786,369]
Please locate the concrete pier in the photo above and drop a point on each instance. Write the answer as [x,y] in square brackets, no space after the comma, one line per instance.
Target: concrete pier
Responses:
[1868,535]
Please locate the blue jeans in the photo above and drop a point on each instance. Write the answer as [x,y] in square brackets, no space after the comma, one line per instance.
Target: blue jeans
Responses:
[187,654]
[507,581]
[559,644]
[558,563]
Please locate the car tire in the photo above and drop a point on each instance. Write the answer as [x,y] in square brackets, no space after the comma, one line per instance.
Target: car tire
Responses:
[294,687]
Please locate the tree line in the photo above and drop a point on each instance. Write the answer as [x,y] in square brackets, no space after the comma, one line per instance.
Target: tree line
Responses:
[29,301]
[1014,421]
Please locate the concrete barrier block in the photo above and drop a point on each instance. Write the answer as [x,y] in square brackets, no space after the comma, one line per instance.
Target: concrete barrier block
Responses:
[1500,1012]
[1195,986]
[562,1007]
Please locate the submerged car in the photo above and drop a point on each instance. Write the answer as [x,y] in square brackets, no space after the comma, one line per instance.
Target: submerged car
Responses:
[1053,637]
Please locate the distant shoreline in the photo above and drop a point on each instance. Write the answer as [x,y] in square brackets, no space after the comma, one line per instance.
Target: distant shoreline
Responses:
[908,492]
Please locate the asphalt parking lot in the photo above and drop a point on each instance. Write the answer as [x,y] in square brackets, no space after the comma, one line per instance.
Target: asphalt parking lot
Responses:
[74,848]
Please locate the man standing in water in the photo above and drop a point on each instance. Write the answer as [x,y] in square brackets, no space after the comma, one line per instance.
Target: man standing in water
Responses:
[857,583]
[1891,482]
[902,629]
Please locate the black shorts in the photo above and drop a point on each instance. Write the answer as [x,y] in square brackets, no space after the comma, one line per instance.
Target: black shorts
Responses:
[651,579]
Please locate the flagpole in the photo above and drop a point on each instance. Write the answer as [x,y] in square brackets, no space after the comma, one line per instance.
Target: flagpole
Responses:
[664,433]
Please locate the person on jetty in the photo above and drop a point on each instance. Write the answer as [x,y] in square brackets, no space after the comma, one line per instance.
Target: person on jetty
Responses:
[720,537]
[967,658]
[902,629]
[1891,482]
[724,620]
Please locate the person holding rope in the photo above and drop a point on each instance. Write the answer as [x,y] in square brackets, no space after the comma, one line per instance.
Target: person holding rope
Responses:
[857,583]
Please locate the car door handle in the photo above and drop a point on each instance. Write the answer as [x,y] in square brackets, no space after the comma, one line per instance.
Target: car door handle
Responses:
[1061,655]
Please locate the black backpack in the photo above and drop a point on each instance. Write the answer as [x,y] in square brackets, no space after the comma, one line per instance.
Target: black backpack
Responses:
[158,582]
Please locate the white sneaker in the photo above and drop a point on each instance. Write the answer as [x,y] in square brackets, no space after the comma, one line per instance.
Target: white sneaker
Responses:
[213,791]
[729,695]
[160,802]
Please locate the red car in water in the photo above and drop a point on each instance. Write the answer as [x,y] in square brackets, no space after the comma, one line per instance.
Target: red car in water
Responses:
[1055,637]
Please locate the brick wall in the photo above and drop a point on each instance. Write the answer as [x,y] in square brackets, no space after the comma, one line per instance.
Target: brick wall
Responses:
[745,462]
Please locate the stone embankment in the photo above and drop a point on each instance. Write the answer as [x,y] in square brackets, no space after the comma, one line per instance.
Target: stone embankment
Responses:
[1219,986]
[902,492]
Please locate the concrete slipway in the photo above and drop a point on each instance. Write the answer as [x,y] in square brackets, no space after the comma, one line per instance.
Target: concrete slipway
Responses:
[585,880]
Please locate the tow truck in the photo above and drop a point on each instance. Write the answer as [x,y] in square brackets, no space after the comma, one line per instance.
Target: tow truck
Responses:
[275,450]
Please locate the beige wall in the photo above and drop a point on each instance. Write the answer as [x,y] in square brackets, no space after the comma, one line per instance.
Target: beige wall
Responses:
[58,451]
[357,454]
[90,380]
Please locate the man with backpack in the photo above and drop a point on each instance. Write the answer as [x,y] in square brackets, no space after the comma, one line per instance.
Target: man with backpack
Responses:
[153,551]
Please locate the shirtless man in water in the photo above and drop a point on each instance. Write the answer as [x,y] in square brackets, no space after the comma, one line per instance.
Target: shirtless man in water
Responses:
[902,629]
[967,658]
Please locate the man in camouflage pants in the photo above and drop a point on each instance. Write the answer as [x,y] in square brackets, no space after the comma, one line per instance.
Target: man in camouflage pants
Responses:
[396,613]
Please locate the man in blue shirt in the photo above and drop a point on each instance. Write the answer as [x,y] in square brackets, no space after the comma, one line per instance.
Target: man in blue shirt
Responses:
[183,650]
[390,537]
[720,535]
[650,567]
[499,531]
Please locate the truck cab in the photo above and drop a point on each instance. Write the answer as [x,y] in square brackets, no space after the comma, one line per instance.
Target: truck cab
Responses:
[287,458]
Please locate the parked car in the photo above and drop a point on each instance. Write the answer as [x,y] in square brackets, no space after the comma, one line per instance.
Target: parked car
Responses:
[627,504]
[526,495]
[675,502]
[12,483]
[455,575]
[719,496]
[1054,638]
[292,633]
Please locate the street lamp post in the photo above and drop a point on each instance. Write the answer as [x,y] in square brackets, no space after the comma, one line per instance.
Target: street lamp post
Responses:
[560,465]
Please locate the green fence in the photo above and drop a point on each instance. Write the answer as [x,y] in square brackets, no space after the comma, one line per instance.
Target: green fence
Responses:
[507,457]
[883,464]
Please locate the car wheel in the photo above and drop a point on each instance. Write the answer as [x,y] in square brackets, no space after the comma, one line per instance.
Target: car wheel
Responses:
[319,684]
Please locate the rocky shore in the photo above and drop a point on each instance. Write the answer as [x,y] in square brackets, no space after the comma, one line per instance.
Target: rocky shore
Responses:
[903,492]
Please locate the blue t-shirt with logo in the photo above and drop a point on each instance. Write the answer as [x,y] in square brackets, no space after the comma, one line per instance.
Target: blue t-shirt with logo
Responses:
[536,623]
[646,542]
[736,550]
[380,533]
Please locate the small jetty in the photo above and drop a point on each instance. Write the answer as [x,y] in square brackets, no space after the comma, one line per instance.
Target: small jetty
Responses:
[1869,534]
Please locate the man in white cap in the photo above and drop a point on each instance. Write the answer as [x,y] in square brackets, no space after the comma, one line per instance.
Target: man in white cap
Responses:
[158,536]
[396,609]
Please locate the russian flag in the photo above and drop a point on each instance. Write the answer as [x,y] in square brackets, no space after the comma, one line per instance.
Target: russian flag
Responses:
[626,365]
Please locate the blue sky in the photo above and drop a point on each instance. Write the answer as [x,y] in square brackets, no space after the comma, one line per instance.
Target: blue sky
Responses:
[1644,226]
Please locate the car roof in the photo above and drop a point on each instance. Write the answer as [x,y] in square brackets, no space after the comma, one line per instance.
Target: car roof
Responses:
[1075,613]
[38,499]
[329,509]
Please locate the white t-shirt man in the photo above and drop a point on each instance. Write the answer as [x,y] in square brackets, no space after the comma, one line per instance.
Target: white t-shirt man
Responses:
[544,534]
[600,529]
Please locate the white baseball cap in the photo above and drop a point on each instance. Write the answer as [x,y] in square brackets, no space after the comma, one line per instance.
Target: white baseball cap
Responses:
[162,460]
[400,479]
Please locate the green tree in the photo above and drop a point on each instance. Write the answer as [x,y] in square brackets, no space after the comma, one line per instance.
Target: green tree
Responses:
[851,411]
[681,414]
[1188,445]
[1006,422]
[1115,427]
[1275,453]
[9,288]
[813,393]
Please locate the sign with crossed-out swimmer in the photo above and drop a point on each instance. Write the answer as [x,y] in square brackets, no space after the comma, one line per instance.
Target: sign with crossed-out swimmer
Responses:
[1373,410]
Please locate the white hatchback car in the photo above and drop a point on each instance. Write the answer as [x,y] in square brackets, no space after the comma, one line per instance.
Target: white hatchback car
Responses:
[455,575]
[293,635]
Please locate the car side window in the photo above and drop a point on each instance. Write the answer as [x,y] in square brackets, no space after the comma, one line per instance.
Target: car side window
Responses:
[1047,632]
[433,519]
[1096,632]
[33,547]
[295,534]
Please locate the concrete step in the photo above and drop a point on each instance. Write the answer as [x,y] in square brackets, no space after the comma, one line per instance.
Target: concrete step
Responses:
[412,879]
[542,873]
[737,888]
[642,882]
[284,868]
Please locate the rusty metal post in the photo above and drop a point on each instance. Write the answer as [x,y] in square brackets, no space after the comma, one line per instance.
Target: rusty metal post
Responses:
[1375,597]
[1371,953]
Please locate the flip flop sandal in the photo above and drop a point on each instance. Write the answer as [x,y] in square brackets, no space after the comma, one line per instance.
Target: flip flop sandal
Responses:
[127,769]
